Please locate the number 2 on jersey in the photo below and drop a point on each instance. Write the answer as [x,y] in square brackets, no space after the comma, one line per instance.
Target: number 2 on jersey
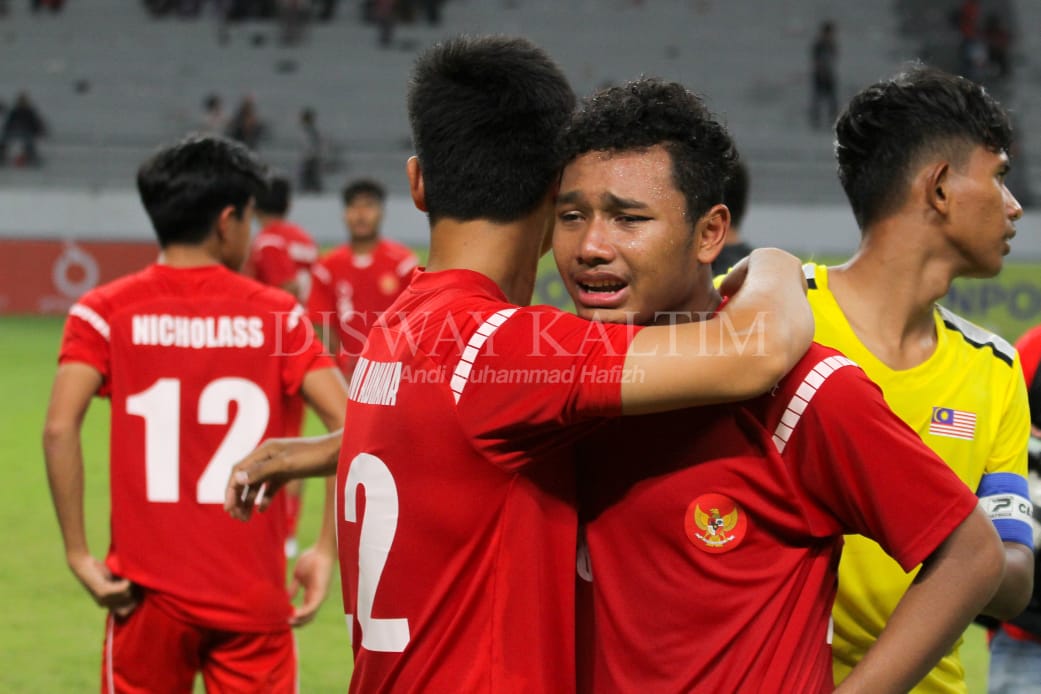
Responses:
[378,528]
[160,405]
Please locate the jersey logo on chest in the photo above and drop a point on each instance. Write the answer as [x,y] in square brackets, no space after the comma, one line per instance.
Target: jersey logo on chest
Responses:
[715,523]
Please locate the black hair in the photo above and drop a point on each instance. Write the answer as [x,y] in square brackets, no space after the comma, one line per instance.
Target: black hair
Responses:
[363,186]
[486,115]
[735,193]
[185,186]
[887,127]
[274,197]
[648,112]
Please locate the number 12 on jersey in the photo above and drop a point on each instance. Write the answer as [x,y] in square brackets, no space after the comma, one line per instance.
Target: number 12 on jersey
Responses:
[160,406]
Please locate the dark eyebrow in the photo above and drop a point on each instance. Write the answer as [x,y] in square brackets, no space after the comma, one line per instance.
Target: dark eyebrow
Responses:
[569,198]
[608,200]
[614,202]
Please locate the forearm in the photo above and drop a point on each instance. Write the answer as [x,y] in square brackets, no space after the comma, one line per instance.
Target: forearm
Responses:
[326,541]
[64,460]
[314,456]
[950,589]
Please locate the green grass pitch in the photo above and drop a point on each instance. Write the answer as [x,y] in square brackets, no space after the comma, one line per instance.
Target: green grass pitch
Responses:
[53,631]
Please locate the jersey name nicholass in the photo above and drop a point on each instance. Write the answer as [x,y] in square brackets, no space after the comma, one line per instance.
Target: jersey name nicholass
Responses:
[164,330]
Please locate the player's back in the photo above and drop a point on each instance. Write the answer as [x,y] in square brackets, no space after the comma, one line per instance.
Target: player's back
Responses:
[196,362]
[456,482]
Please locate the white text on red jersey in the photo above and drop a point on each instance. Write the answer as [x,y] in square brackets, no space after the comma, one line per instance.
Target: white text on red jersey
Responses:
[195,332]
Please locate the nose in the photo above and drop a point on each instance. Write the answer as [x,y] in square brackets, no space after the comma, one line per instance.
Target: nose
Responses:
[1015,210]
[594,246]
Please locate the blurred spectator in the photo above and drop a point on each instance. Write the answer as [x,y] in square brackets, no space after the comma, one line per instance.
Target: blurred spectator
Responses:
[51,5]
[972,53]
[326,9]
[293,16]
[997,39]
[383,12]
[735,197]
[23,126]
[214,120]
[311,161]
[246,126]
[823,58]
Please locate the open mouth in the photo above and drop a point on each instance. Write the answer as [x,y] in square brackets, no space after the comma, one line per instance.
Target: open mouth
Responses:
[602,286]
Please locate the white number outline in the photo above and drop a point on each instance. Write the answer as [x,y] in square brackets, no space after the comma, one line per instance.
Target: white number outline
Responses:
[378,528]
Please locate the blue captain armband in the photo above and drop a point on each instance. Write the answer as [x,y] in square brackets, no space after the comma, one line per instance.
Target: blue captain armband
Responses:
[1006,499]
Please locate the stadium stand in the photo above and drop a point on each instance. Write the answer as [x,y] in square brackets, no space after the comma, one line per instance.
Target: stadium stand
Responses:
[114,82]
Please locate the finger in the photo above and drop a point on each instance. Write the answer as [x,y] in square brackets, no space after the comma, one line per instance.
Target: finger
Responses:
[124,610]
[303,615]
[238,497]
[294,587]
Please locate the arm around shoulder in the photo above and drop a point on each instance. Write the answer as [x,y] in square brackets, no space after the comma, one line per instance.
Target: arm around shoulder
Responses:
[741,352]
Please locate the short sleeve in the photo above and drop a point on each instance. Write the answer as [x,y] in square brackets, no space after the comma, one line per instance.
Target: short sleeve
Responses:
[405,267]
[529,377]
[866,472]
[1009,453]
[320,302]
[302,352]
[272,263]
[86,338]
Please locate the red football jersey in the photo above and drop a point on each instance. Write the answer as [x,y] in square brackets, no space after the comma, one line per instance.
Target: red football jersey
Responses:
[714,533]
[282,252]
[1029,348]
[196,363]
[455,495]
[350,292]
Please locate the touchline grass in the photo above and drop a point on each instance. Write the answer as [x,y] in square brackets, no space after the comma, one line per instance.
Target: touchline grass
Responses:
[53,635]
[53,630]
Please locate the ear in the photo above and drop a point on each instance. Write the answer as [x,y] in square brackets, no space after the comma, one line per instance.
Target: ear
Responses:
[937,183]
[415,183]
[222,225]
[710,233]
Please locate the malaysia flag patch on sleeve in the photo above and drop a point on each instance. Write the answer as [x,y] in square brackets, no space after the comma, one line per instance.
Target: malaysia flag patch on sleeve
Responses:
[955,424]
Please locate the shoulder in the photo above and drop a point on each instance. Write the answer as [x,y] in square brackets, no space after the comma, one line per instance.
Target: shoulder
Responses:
[120,291]
[820,364]
[254,292]
[970,336]
[268,238]
[1030,341]
[335,261]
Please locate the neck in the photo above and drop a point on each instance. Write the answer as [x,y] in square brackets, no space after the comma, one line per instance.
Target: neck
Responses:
[364,246]
[189,255]
[508,254]
[889,288]
[265,219]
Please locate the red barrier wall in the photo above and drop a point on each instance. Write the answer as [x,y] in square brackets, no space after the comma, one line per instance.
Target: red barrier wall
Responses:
[48,276]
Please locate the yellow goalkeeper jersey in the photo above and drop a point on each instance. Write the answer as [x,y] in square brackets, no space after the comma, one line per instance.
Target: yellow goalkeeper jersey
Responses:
[968,402]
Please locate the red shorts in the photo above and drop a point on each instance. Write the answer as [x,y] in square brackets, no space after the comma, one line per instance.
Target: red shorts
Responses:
[151,652]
